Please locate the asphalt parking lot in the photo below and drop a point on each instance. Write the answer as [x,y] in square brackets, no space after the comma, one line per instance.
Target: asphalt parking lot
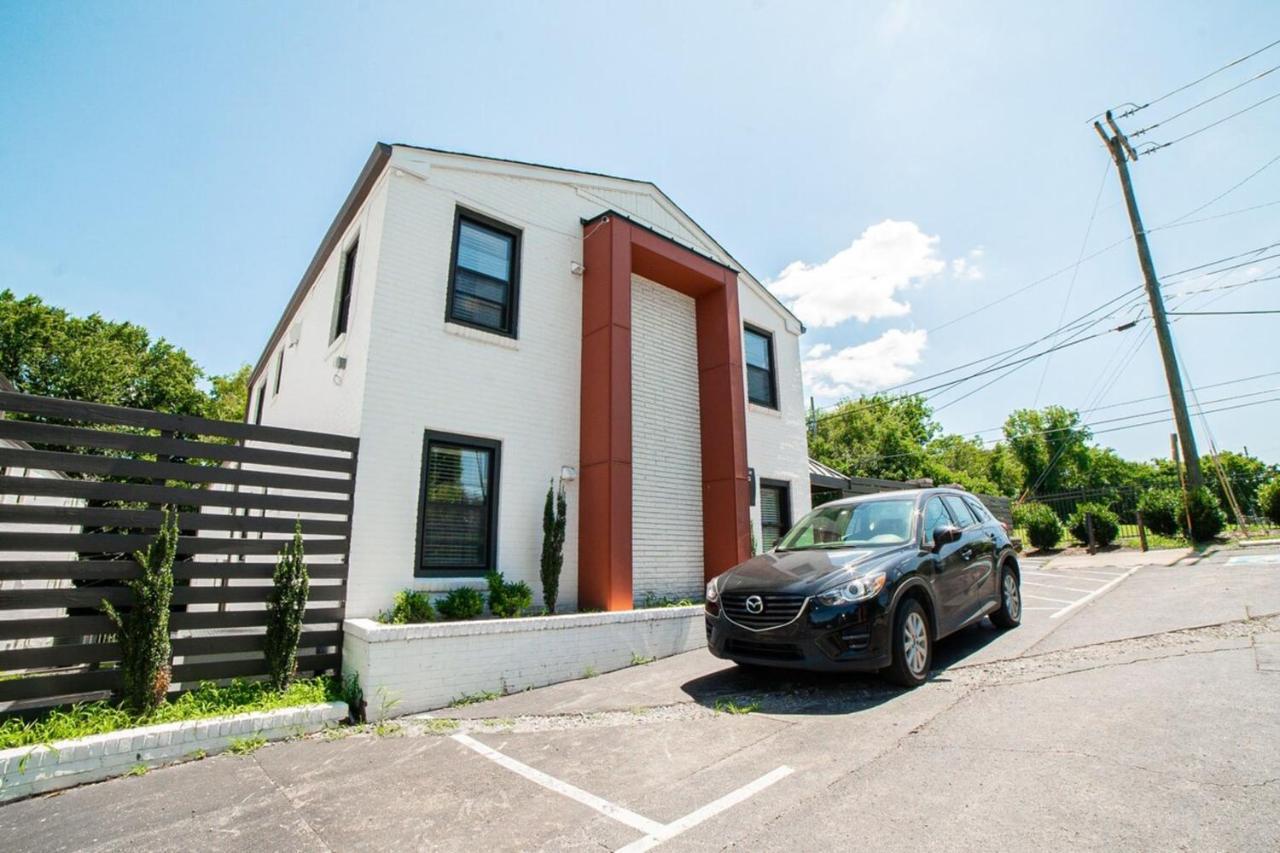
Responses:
[1136,708]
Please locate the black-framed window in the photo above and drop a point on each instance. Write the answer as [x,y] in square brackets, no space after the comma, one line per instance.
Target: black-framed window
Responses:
[484,274]
[262,393]
[762,386]
[458,515]
[775,512]
[346,280]
[275,387]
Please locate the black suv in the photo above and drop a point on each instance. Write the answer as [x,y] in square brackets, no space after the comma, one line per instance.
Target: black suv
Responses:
[867,584]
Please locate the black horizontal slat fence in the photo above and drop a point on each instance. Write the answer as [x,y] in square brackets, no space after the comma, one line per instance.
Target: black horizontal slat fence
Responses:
[82,486]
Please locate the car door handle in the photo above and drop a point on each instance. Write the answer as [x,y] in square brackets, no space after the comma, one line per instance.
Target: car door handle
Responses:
[967,553]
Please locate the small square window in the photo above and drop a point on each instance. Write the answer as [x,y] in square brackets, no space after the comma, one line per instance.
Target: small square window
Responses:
[484,277]
[762,386]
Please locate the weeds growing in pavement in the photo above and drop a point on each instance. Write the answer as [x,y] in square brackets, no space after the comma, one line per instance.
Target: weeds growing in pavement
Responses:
[138,769]
[439,725]
[589,672]
[246,745]
[638,659]
[474,698]
[729,706]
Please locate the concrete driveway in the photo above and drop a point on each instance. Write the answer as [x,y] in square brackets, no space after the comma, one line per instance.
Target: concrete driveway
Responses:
[1137,708]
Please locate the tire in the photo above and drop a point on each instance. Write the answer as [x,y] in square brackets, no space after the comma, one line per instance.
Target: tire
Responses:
[1009,615]
[912,644]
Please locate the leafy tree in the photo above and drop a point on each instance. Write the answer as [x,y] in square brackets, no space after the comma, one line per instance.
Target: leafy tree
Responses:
[877,436]
[229,395]
[285,605]
[1052,446]
[1245,474]
[143,627]
[1269,499]
[553,528]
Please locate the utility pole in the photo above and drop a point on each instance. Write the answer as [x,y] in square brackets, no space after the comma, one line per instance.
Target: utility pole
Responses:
[1121,152]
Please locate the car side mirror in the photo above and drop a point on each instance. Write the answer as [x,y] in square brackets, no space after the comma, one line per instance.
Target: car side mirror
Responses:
[945,535]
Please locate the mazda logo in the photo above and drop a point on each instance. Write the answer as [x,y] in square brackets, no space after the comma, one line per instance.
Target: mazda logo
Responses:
[755,604]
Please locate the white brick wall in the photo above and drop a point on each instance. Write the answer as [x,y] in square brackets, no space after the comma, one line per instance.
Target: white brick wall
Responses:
[421,667]
[666,451]
[27,770]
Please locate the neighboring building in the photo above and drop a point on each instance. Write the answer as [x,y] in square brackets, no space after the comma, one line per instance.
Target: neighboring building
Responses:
[487,326]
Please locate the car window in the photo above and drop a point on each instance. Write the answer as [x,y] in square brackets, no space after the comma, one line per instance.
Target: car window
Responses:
[980,512]
[935,516]
[873,522]
[963,516]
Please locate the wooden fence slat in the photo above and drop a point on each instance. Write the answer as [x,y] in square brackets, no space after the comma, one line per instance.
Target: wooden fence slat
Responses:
[152,519]
[38,687]
[76,410]
[85,653]
[76,627]
[93,596]
[175,495]
[192,672]
[127,543]
[127,568]
[110,466]
[68,436]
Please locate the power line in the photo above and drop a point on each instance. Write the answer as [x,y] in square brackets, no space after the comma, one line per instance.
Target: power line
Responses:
[1160,146]
[1227,258]
[1221,313]
[1199,80]
[1220,196]
[1208,100]
[1225,286]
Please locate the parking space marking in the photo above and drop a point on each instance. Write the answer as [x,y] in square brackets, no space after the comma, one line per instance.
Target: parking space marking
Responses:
[1091,596]
[1046,598]
[1076,573]
[1025,609]
[654,832]
[1054,586]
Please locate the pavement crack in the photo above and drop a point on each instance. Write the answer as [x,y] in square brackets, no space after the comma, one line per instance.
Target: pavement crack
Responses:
[294,804]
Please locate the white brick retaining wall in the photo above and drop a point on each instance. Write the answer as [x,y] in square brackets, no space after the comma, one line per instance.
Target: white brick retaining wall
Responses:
[415,668]
[91,759]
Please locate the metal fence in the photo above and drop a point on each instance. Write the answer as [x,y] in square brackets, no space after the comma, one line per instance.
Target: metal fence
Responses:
[82,486]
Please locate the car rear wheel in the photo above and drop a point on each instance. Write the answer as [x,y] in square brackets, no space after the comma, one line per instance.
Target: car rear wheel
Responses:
[1010,613]
[912,645]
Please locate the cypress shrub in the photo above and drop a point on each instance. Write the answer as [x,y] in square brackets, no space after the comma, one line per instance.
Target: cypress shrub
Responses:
[1044,530]
[143,628]
[1269,500]
[553,525]
[285,605]
[1207,517]
[1162,511]
[1106,524]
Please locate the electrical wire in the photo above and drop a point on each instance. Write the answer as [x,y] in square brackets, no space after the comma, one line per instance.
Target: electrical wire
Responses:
[1161,146]
[1220,313]
[1208,100]
[1220,196]
[1199,80]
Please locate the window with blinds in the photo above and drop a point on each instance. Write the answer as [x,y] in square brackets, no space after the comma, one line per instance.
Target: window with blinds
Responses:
[459,505]
[484,279]
[775,512]
[761,387]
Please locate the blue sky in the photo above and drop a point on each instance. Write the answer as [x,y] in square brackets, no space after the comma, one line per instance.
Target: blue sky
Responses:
[901,162]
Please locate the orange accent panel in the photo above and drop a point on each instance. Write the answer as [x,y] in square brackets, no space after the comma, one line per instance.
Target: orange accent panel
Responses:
[613,249]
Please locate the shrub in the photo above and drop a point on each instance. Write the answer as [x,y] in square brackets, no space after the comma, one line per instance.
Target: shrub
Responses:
[143,628]
[409,606]
[1106,524]
[285,606]
[461,603]
[1044,530]
[508,599]
[1161,511]
[1207,517]
[1269,500]
[553,524]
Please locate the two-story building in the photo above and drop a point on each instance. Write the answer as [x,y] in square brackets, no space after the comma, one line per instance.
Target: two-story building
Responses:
[487,327]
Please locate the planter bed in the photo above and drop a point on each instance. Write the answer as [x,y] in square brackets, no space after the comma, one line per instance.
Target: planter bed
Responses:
[404,669]
[27,770]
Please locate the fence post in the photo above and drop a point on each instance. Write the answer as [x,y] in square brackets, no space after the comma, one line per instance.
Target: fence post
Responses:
[1088,529]
[1142,532]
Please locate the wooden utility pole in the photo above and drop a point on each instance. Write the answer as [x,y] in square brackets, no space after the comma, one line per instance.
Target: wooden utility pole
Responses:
[1121,152]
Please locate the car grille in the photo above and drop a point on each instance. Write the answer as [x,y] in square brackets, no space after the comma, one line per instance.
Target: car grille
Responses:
[779,609]
[767,651]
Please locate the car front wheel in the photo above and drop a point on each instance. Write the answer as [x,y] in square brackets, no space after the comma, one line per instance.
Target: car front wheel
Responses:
[912,645]
[1010,613]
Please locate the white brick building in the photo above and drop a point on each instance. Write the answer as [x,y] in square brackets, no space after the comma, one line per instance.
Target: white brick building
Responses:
[485,326]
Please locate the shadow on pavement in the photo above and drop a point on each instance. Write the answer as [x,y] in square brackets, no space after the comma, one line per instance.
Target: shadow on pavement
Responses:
[782,691]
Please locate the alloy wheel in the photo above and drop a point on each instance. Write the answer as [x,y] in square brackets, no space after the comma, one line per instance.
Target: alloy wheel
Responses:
[915,643]
[1012,598]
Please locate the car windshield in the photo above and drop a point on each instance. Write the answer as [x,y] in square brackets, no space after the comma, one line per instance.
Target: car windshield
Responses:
[879,522]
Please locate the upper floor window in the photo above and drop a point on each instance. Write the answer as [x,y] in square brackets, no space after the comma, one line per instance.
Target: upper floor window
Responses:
[346,278]
[257,412]
[484,277]
[762,387]
[275,388]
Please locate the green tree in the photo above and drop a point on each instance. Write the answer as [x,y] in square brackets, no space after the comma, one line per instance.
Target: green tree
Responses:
[1246,476]
[554,513]
[877,436]
[286,604]
[229,395]
[1052,446]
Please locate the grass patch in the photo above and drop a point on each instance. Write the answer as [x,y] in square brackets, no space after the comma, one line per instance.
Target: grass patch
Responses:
[246,745]
[638,659]
[589,672]
[207,700]
[138,769]
[386,728]
[729,706]
[474,698]
[440,725]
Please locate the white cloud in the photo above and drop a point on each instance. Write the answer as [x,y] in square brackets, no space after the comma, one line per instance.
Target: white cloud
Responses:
[866,367]
[968,267]
[863,280]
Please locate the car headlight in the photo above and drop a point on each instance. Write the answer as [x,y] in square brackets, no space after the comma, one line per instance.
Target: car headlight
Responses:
[713,594]
[859,589]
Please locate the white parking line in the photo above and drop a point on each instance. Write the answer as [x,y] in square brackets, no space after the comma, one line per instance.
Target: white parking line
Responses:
[1075,575]
[1025,609]
[1054,586]
[655,832]
[1046,598]
[1091,596]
